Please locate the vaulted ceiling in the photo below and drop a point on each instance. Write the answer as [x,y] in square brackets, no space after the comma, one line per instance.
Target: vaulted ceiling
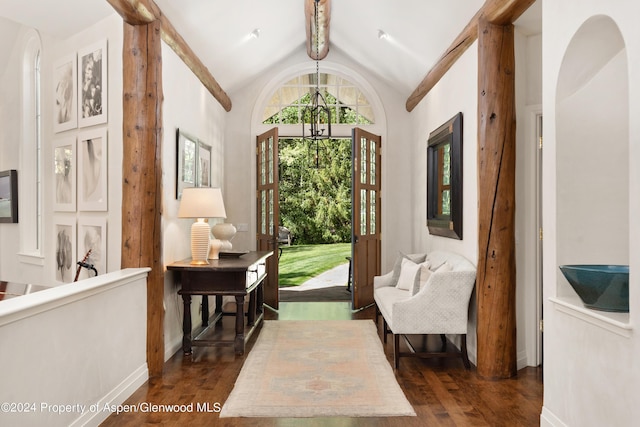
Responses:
[219,32]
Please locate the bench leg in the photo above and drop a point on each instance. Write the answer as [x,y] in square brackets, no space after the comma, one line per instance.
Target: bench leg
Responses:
[463,350]
[396,350]
[384,330]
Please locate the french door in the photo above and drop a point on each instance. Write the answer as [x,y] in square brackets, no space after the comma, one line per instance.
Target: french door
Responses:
[366,208]
[268,209]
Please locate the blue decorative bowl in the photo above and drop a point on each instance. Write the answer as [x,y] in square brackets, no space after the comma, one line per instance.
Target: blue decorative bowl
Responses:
[600,287]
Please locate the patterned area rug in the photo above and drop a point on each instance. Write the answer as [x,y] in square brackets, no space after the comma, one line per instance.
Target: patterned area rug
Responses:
[317,368]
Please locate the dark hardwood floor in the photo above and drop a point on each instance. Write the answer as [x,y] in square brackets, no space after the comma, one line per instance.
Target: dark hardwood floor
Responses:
[441,391]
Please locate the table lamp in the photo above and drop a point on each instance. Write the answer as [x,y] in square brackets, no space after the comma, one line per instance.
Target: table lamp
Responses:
[201,203]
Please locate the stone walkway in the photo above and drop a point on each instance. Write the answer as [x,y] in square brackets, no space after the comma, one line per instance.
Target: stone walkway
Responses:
[337,276]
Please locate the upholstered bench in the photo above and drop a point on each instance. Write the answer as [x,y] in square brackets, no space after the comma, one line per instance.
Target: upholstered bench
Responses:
[426,294]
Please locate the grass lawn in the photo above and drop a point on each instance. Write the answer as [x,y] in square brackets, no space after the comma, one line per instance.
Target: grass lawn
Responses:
[300,263]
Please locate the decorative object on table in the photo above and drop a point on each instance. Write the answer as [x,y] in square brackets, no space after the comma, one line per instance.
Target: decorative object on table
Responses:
[600,287]
[201,203]
[224,232]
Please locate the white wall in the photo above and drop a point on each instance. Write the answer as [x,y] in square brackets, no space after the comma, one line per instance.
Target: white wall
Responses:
[187,106]
[591,373]
[13,266]
[82,344]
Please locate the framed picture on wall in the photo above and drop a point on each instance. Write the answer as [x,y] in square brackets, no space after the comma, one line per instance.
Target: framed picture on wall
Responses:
[65,248]
[92,236]
[92,170]
[204,165]
[92,84]
[65,107]
[187,153]
[9,196]
[64,168]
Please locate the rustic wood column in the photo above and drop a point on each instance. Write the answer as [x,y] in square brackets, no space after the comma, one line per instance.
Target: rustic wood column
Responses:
[142,173]
[496,277]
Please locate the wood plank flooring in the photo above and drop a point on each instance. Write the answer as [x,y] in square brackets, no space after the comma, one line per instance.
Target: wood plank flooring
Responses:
[441,391]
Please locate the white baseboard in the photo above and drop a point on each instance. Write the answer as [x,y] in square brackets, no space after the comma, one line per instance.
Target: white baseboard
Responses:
[117,396]
[522,360]
[548,419]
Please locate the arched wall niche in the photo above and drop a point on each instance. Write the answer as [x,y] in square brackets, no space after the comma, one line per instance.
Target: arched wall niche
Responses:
[592,137]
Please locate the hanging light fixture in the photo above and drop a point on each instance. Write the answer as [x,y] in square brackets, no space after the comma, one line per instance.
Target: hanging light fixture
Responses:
[317,114]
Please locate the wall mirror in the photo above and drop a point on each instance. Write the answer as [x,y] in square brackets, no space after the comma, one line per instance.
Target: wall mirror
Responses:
[444,179]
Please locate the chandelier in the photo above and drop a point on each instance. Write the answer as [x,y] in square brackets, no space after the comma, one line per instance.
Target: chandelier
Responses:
[317,114]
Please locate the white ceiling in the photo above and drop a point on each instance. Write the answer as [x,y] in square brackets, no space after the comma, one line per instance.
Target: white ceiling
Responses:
[218,31]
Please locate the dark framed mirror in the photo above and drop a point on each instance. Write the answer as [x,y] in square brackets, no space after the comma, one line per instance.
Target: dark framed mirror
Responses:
[444,179]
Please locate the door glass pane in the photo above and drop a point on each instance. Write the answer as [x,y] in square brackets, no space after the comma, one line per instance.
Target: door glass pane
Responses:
[270,161]
[271,213]
[363,160]
[263,180]
[363,212]
[372,167]
[263,212]
[372,212]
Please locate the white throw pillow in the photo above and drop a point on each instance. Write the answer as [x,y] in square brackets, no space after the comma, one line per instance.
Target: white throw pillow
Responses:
[423,277]
[417,258]
[408,273]
[444,267]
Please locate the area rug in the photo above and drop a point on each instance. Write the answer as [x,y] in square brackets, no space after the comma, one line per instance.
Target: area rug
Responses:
[317,368]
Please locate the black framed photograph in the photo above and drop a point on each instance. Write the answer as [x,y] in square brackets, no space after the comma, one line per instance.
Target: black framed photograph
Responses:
[186,169]
[92,84]
[444,179]
[9,196]
[65,107]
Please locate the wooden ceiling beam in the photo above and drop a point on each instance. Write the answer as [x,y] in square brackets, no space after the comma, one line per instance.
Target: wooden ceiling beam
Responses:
[324,18]
[498,12]
[139,12]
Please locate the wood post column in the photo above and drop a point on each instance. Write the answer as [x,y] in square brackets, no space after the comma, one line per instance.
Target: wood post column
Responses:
[142,173]
[496,276]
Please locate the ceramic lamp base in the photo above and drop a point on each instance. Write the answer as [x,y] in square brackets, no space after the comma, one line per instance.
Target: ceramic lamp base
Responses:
[200,242]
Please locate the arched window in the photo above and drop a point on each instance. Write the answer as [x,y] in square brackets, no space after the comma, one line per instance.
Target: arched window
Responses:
[30,177]
[347,102]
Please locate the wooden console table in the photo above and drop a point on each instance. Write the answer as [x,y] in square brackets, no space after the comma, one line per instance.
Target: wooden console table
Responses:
[225,276]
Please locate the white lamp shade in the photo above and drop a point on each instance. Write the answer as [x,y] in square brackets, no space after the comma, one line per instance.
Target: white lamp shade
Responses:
[201,202]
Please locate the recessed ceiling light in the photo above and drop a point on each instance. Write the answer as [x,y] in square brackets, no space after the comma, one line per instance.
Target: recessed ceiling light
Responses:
[382,35]
[255,33]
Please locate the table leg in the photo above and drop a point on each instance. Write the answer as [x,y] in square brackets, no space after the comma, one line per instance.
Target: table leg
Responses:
[186,324]
[205,311]
[239,342]
[251,315]
[260,298]
[218,303]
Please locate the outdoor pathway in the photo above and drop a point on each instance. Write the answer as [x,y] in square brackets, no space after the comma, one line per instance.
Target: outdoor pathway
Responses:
[337,276]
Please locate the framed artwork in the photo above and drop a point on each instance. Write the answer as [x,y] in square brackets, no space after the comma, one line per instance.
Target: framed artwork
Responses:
[64,168]
[92,170]
[204,165]
[186,169]
[92,236]
[65,107]
[9,196]
[65,247]
[92,84]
